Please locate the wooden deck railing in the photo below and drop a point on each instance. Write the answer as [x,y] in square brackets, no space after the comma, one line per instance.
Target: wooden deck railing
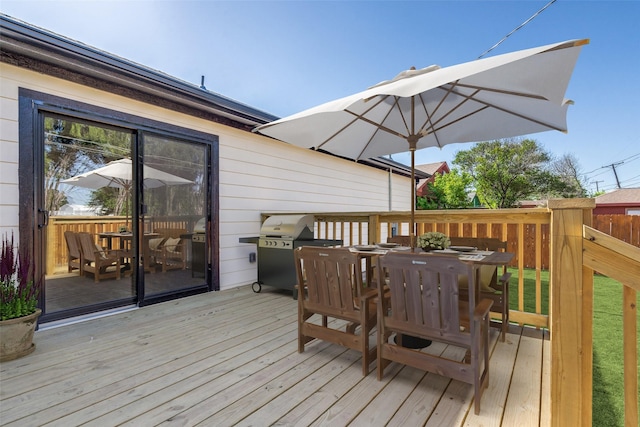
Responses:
[548,238]
[620,261]
[526,232]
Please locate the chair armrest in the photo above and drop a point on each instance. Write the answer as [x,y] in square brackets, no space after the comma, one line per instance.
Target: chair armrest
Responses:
[504,279]
[369,293]
[482,309]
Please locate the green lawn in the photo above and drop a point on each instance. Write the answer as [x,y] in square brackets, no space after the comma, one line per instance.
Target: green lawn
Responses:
[608,400]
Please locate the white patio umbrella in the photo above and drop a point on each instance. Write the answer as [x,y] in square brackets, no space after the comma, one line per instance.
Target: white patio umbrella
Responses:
[117,174]
[503,96]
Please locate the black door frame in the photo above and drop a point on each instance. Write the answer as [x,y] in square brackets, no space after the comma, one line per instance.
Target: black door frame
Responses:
[32,106]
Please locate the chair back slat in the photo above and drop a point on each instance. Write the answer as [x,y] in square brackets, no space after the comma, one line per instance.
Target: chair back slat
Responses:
[72,244]
[424,293]
[87,246]
[331,277]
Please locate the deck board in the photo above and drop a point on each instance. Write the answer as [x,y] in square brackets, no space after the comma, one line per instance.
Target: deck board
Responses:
[230,358]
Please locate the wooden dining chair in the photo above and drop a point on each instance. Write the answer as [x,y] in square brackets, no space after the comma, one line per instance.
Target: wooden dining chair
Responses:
[171,251]
[424,303]
[101,262]
[74,256]
[329,283]
[493,285]
[401,240]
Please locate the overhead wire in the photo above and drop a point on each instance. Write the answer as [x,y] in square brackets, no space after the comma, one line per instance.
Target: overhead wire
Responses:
[516,29]
[629,182]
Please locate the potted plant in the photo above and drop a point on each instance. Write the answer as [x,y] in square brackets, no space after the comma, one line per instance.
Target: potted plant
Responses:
[18,300]
[433,240]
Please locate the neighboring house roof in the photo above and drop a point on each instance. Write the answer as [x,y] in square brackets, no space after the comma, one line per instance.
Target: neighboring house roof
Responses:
[393,166]
[73,209]
[431,169]
[622,196]
[624,201]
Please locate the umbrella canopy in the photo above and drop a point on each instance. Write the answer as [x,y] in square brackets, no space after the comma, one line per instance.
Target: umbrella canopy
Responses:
[503,96]
[117,174]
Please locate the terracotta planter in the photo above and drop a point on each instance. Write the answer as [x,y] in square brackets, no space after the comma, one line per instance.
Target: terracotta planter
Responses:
[16,336]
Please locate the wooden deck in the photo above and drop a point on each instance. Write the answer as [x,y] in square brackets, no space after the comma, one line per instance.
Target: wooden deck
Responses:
[230,358]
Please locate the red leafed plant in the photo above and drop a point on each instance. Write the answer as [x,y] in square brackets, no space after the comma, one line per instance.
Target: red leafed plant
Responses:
[18,291]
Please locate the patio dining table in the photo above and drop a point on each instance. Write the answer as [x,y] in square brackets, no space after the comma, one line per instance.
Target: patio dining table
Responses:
[476,257]
[125,245]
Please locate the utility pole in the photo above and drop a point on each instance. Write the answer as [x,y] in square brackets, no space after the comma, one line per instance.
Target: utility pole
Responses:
[613,166]
[596,183]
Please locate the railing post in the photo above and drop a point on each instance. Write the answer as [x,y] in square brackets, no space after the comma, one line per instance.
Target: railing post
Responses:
[374,229]
[570,314]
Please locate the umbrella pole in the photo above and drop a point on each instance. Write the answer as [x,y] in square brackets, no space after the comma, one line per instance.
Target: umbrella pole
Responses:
[412,230]
[412,225]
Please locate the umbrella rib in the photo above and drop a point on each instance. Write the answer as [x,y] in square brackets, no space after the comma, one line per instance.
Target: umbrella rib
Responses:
[432,130]
[364,119]
[377,125]
[506,92]
[423,128]
[504,110]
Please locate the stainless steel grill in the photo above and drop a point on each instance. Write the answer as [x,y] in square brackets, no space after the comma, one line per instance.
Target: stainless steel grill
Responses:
[279,236]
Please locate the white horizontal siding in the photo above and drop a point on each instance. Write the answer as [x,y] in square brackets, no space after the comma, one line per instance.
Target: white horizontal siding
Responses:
[257,174]
[8,157]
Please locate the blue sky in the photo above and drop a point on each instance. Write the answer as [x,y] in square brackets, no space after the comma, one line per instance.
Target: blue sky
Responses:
[286,56]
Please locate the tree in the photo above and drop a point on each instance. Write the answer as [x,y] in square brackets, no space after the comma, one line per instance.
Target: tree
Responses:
[506,171]
[568,170]
[448,191]
[72,147]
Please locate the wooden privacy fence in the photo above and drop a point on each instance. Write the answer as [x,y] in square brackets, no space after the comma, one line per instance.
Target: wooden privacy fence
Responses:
[622,227]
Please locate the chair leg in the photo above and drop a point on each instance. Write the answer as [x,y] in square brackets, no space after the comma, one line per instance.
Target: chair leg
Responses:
[379,341]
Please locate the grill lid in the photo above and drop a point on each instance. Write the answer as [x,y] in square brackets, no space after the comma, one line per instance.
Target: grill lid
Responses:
[288,227]
[200,225]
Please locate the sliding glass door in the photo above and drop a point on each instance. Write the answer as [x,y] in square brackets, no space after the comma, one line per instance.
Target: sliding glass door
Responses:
[173,242]
[124,214]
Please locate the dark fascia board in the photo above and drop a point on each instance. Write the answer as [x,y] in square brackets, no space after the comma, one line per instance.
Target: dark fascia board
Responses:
[385,164]
[393,166]
[36,44]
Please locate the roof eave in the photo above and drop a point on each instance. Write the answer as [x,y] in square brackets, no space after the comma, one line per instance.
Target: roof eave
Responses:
[27,41]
